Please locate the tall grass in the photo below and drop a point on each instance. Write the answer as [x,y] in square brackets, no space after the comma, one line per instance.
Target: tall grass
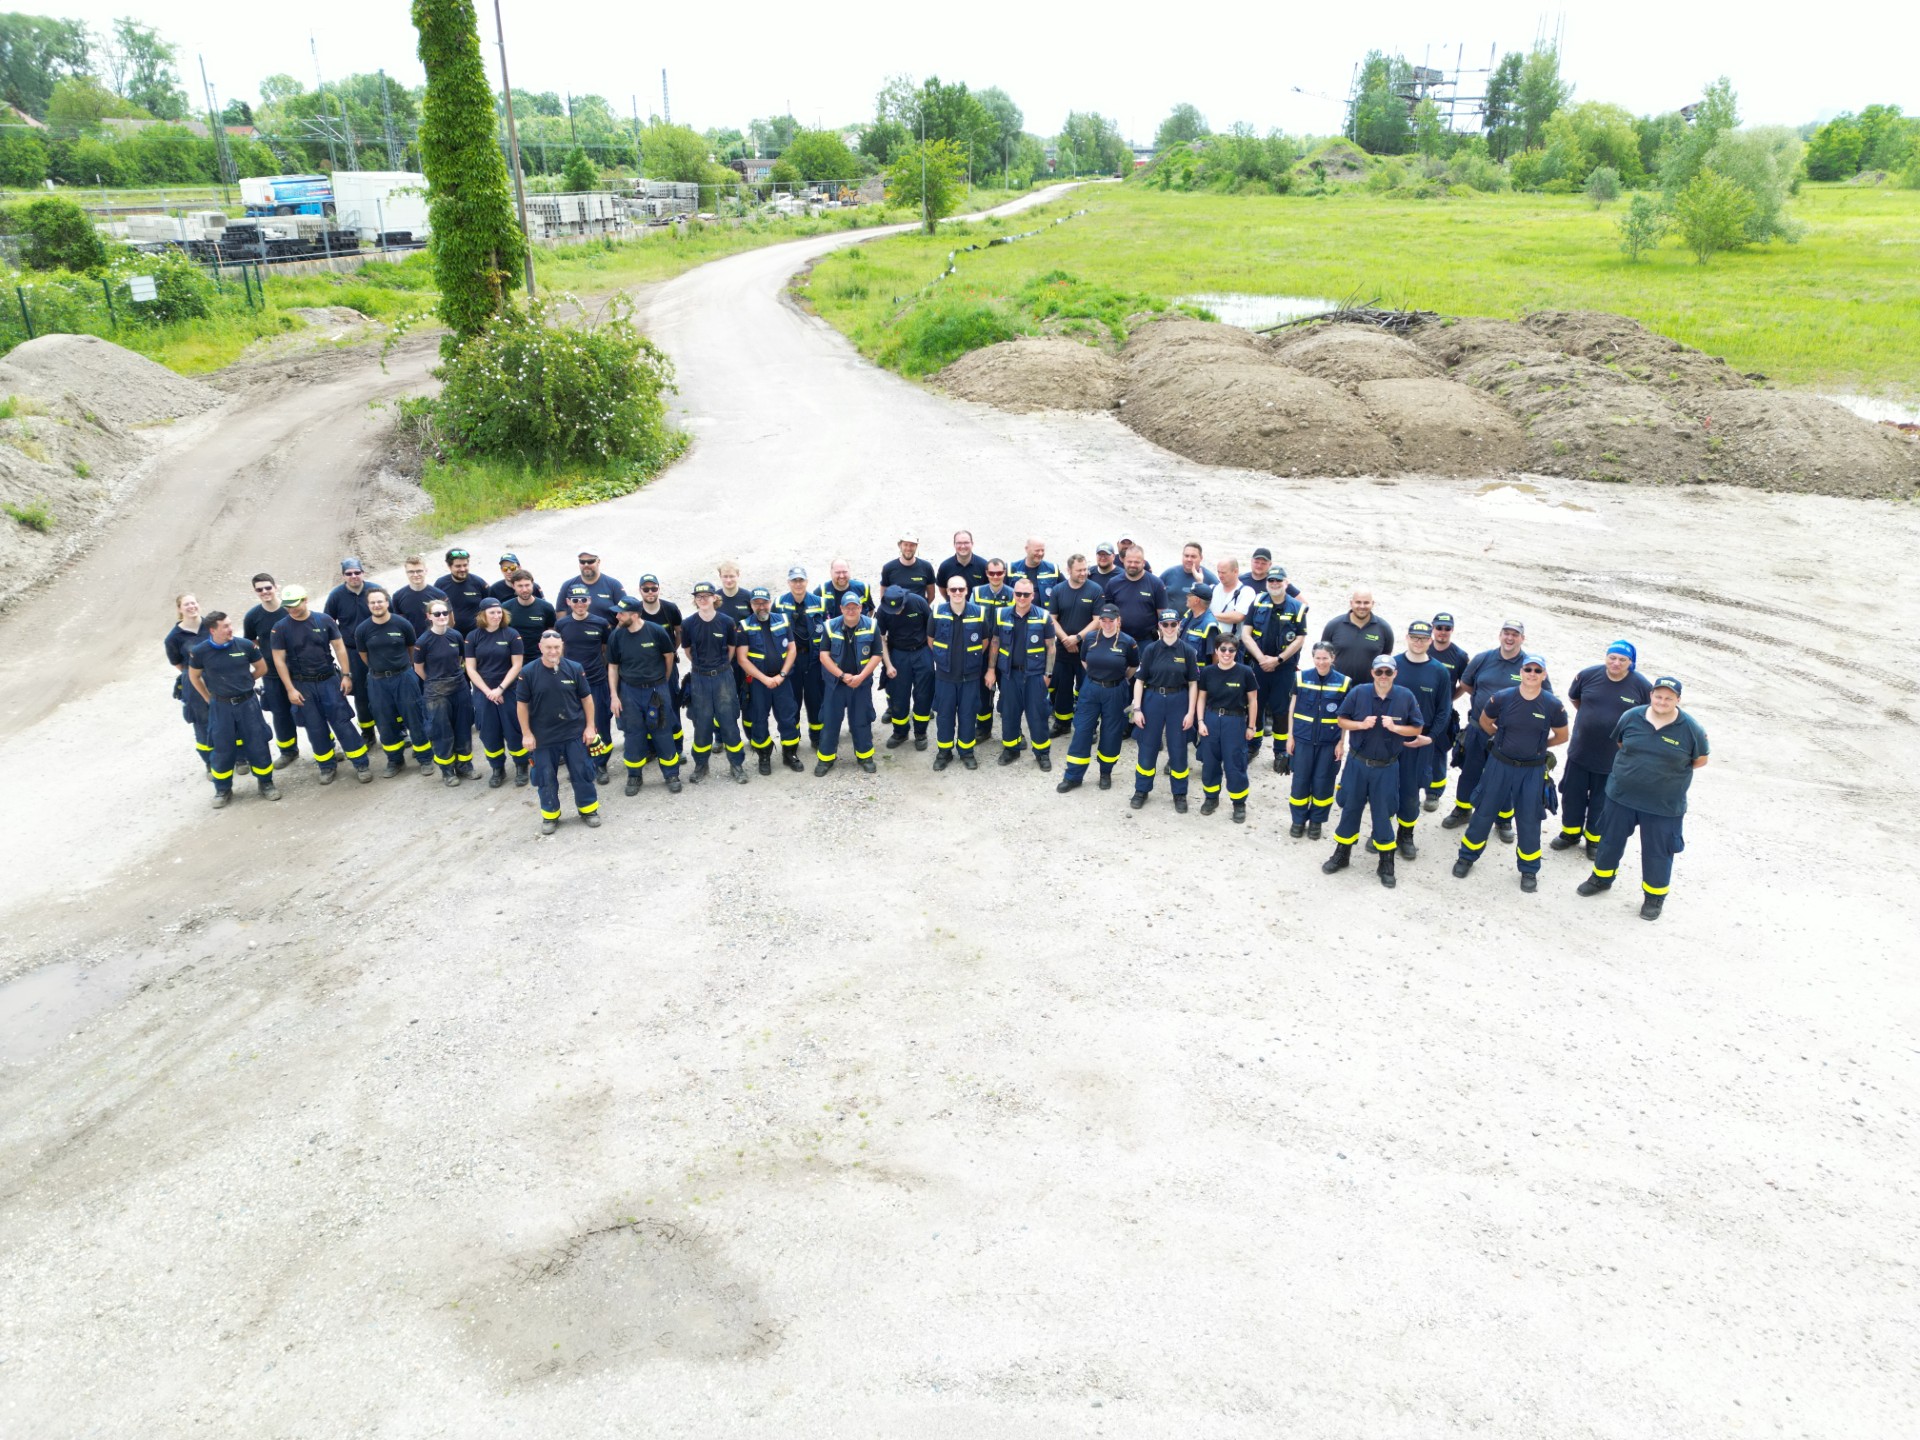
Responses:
[1834,311]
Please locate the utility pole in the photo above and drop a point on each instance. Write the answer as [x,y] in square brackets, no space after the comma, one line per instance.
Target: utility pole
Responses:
[572,129]
[666,107]
[217,131]
[386,112]
[638,168]
[926,215]
[346,125]
[513,147]
[333,160]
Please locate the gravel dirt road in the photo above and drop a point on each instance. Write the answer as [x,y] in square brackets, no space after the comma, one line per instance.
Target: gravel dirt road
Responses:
[945,1105]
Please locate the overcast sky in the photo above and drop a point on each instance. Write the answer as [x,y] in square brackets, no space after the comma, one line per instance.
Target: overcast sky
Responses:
[1236,60]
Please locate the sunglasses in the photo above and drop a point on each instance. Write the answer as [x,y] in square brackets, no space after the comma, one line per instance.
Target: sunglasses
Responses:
[353,572]
[263,589]
[436,614]
[1531,670]
[649,589]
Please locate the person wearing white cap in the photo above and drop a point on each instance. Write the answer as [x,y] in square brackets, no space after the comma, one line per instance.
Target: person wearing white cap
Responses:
[1379,719]
[1659,747]
[911,573]
[1488,673]
[1523,724]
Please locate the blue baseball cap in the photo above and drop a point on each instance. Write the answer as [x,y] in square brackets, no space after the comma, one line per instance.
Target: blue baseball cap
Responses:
[648,580]
[1419,627]
[627,605]
[1169,617]
[1531,659]
[509,558]
[798,572]
[1277,575]
[1203,590]
[487,602]
[893,598]
[1443,620]
[1384,662]
[351,562]
[577,591]
[704,587]
[1667,682]
[759,592]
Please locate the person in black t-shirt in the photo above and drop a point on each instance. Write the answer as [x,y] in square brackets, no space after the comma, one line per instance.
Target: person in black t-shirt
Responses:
[1378,721]
[1229,718]
[440,664]
[910,572]
[257,626]
[907,664]
[1166,693]
[558,724]
[713,705]
[1075,601]
[1108,654]
[464,589]
[384,642]
[223,668]
[965,561]
[1523,724]
[310,654]
[187,632]
[528,614]
[585,636]
[412,599]
[640,658]
[1601,694]
[495,657]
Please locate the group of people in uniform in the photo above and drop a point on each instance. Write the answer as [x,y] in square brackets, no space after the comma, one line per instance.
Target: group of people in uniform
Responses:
[1189,661]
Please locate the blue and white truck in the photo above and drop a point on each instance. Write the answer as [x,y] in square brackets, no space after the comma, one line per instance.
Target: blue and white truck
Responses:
[287,195]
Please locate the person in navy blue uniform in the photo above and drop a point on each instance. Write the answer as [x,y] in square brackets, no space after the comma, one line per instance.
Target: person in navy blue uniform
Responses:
[667,616]
[640,658]
[503,591]
[1179,579]
[1018,655]
[1431,685]
[1486,675]
[384,643]
[1140,596]
[310,654]
[1100,711]
[1200,625]
[495,657]
[186,632]
[1315,742]
[1166,688]
[1034,566]
[1379,719]
[1229,718]
[257,626]
[606,591]
[734,601]
[772,653]
[713,705]
[585,635]
[528,613]
[1600,695]
[910,571]
[1523,724]
[440,665]
[840,584]
[223,668]
[1106,565]
[800,607]
[464,589]
[346,606]
[1275,630]
[1357,636]
[849,654]
[904,619]
[964,562]
[1456,660]
[410,601]
[992,597]
[1658,746]
[558,725]
[1073,603]
[957,639]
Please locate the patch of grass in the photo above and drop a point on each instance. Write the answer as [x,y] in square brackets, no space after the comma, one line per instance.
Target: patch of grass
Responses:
[1832,312]
[468,493]
[35,516]
[945,327]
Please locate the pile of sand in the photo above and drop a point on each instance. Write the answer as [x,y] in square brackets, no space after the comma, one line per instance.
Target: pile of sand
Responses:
[1036,374]
[74,438]
[1351,354]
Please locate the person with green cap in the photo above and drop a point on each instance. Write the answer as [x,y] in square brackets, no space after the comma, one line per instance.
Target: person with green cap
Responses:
[1659,746]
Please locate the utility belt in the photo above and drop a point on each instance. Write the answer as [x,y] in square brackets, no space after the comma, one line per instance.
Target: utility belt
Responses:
[1166,689]
[316,677]
[1377,764]
[637,685]
[387,674]
[1506,759]
[906,649]
[236,699]
[723,670]
[1103,684]
[1239,714]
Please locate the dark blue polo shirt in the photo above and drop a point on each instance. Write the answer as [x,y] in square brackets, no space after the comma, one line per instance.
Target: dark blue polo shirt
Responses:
[388,645]
[973,571]
[1654,767]
[912,576]
[709,643]
[440,656]
[1379,743]
[1487,674]
[1355,647]
[308,646]
[554,700]
[226,669]
[1602,702]
[606,592]
[1521,726]
[1164,666]
[643,655]
[1108,661]
[1140,602]
[493,653]
[905,628]
[586,643]
[1226,690]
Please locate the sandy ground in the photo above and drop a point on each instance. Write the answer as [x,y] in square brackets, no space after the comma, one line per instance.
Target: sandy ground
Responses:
[945,1105]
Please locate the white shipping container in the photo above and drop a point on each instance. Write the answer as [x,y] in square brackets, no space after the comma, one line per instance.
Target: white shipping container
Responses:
[374,200]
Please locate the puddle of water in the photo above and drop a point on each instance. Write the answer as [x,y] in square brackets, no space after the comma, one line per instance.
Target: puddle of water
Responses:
[1250,312]
[43,1007]
[1872,407]
[1518,498]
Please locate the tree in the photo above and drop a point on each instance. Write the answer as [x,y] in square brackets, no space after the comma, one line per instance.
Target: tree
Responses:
[929,178]
[475,246]
[59,235]
[1379,123]
[23,159]
[1642,227]
[1764,162]
[784,172]
[1716,112]
[880,139]
[581,173]
[773,135]
[726,144]
[79,103]
[1711,214]
[1093,144]
[1008,122]
[821,155]
[1503,98]
[237,112]
[1603,185]
[674,152]
[276,88]
[1429,131]
[949,112]
[140,65]
[36,53]
[1887,137]
[1541,93]
[1183,125]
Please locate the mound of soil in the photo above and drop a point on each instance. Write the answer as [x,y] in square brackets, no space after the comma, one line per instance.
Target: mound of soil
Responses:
[1252,412]
[1029,374]
[1588,422]
[1629,346]
[1190,341]
[1439,428]
[1805,443]
[1351,355]
[114,384]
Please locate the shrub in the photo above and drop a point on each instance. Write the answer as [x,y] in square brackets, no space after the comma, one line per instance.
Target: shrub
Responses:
[59,236]
[1711,214]
[1603,184]
[1642,227]
[1764,162]
[939,331]
[580,173]
[35,516]
[530,389]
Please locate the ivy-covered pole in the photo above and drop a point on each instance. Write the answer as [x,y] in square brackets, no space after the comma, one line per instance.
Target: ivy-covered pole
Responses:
[474,236]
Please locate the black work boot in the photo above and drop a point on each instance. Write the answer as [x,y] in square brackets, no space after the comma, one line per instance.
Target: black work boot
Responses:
[1106,780]
[1564,841]
[1430,803]
[1282,764]
[363,773]
[919,742]
[269,790]
[1593,885]
[942,760]
[1341,858]
[1313,830]
[633,782]
[821,767]
[496,779]
[1179,804]
[1138,802]
[1239,812]
[766,762]
[222,799]
[1505,829]
[1386,869]
[738,774]
[1650,907]
[396,767]
[1210,804]
[1457,819]
[967,759]
[673,781]
[600,773]
[1009,754]
[1043,760]
[866,765]
[896,740]
[1066,785]
[699,774]
[1462,868]
[547,827]
[793,760]
[519,774]
[1529,882]
[1296,830]
[1409,850]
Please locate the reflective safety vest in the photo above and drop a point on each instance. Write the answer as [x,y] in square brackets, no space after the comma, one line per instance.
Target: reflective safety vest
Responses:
[1316,702]
[851,649]
[958,642]
[766,642]
[1023,641]
[805,619]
